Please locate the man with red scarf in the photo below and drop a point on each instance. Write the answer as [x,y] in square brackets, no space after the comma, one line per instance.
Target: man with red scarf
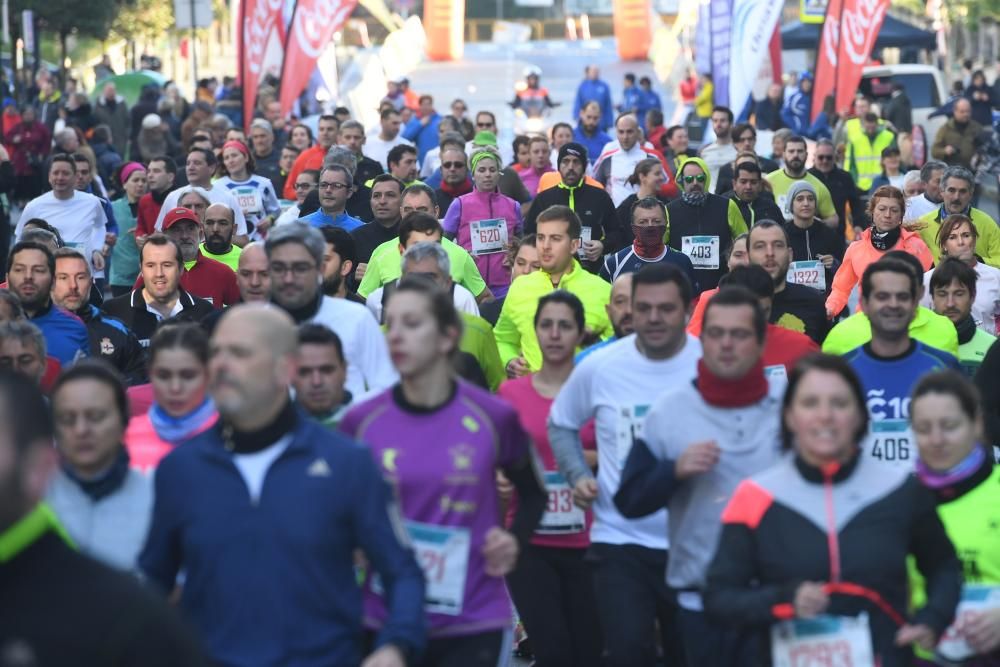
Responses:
[455,180]
[732,414]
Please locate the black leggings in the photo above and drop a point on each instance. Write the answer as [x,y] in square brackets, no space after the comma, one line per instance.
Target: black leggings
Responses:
[482,650]
[553,591]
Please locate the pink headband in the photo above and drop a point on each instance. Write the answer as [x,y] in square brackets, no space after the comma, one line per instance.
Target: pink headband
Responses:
[130,169]
[238,145]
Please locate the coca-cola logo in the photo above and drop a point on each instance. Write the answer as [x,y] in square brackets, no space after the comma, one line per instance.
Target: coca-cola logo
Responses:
[860,29]
[830,41]
[256,29]
[316,21]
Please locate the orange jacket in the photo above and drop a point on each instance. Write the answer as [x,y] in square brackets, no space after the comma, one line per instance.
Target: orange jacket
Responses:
[859,255]
[310,158]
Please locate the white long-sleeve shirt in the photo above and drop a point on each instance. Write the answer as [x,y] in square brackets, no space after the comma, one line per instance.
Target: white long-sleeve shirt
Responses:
[369,368]
[80,219]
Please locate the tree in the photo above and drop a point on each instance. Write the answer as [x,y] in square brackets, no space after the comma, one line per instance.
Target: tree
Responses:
[65,17]
[143,19]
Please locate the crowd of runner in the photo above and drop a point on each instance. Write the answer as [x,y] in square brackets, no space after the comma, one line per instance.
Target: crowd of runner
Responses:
[414,398]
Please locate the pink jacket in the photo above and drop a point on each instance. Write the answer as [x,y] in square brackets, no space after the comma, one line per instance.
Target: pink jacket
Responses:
[859,255]
[144,445]
[485,206]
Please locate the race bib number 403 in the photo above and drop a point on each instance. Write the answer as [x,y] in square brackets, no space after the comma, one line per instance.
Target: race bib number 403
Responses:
[703,251]
[825,641]
[488,236]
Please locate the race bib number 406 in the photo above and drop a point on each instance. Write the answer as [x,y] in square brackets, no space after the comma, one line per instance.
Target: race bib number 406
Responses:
[488,236]
[703,251]
[825,641]
[890,442]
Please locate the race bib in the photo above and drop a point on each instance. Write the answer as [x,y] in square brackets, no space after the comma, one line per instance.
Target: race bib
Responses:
[488,236]
[890,442]
[443,555]
[825,641]
[562,516]
[975,600]
[630,422]
[586,234]
[250,201]
[810,273]
[702,250]
[780,201]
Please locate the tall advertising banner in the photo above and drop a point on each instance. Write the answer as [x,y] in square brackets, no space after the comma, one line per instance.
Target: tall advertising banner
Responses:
[860,22]
[826,57]
[260,25]
[721,31]
[312,27]
[751,29]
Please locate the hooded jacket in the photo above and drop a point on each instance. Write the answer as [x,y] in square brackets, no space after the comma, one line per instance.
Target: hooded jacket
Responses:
[860,254]
[709,228]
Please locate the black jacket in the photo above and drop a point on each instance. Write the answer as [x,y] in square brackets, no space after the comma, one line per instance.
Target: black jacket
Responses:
[801,309]
[843,191]
[369,236]
[727,176]
[777,534]
[366,170]
[112,341]
[988,383]
[899,112]
[624,215]
[761,208]
[818,239]
[710,219]
[131,310]
[591,203]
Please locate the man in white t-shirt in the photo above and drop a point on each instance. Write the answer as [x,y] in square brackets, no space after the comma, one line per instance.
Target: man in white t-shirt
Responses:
[617,164]
[377,146]
[722,151]
[199,168]
[78,216]
[617,385]
[430,259]
[930,199]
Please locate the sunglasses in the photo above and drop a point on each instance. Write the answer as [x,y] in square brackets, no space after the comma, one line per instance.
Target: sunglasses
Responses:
[691,179]
[484,124]
[823,158]
[452,165]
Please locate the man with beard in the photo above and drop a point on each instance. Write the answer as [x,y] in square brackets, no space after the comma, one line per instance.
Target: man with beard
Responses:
[30,270]
[795,170]
[703,225]
[295,253]
[930,199]
[794,307]
[722,151]
[957,188]
[841,185]
[160,297]
[339,261]
[220,223]
[109,338]
[892,362]
[160,175]
[203,277]
[455,180]
[619,310]
[649,228]
[588,132]
[387,192]
[591,204]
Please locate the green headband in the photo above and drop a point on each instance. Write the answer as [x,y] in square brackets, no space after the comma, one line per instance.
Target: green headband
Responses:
[483,155]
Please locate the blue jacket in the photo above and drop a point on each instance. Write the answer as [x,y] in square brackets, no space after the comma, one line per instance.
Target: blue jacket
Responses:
[320,219]
[591,91]
[272,582]
[594,144]
[66,337]
[631,99]
[795,113]
[424,136]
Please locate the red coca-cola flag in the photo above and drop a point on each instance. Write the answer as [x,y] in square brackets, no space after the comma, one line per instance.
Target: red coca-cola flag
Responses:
[260,22]
[826,57]
[860,23]
[313,25]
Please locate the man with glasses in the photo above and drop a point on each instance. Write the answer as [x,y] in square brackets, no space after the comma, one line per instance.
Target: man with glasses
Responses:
[295,255]
[840,185]
[721,151]
[336,184]
[795,170]
[745,141]
[703,225]
[387,192]
[306,182]
[455,180]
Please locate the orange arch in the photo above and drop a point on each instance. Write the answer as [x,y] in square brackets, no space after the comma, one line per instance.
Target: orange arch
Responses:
[633,28]
[444,23]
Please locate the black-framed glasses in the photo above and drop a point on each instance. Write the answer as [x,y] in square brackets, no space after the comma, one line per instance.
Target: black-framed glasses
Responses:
[452,165]
[333,186]
[700,178]
[298,268]
[303,186]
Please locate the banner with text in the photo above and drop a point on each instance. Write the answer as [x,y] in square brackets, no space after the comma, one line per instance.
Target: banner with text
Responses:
[312,27]
[721,32]
[751,29]
[261,33]
[860,22]
[826,57]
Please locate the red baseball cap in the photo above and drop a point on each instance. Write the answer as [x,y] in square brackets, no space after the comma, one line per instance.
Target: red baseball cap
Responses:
[179,213]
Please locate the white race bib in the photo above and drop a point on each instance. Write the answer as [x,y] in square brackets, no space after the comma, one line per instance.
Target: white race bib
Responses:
[630,422]
[810,273]
[975,600]
[562,516]
[488,236]
[586,235]
[249,200]
[890,442]
[443,555]
[702,250]
[824,641]
[780,201]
